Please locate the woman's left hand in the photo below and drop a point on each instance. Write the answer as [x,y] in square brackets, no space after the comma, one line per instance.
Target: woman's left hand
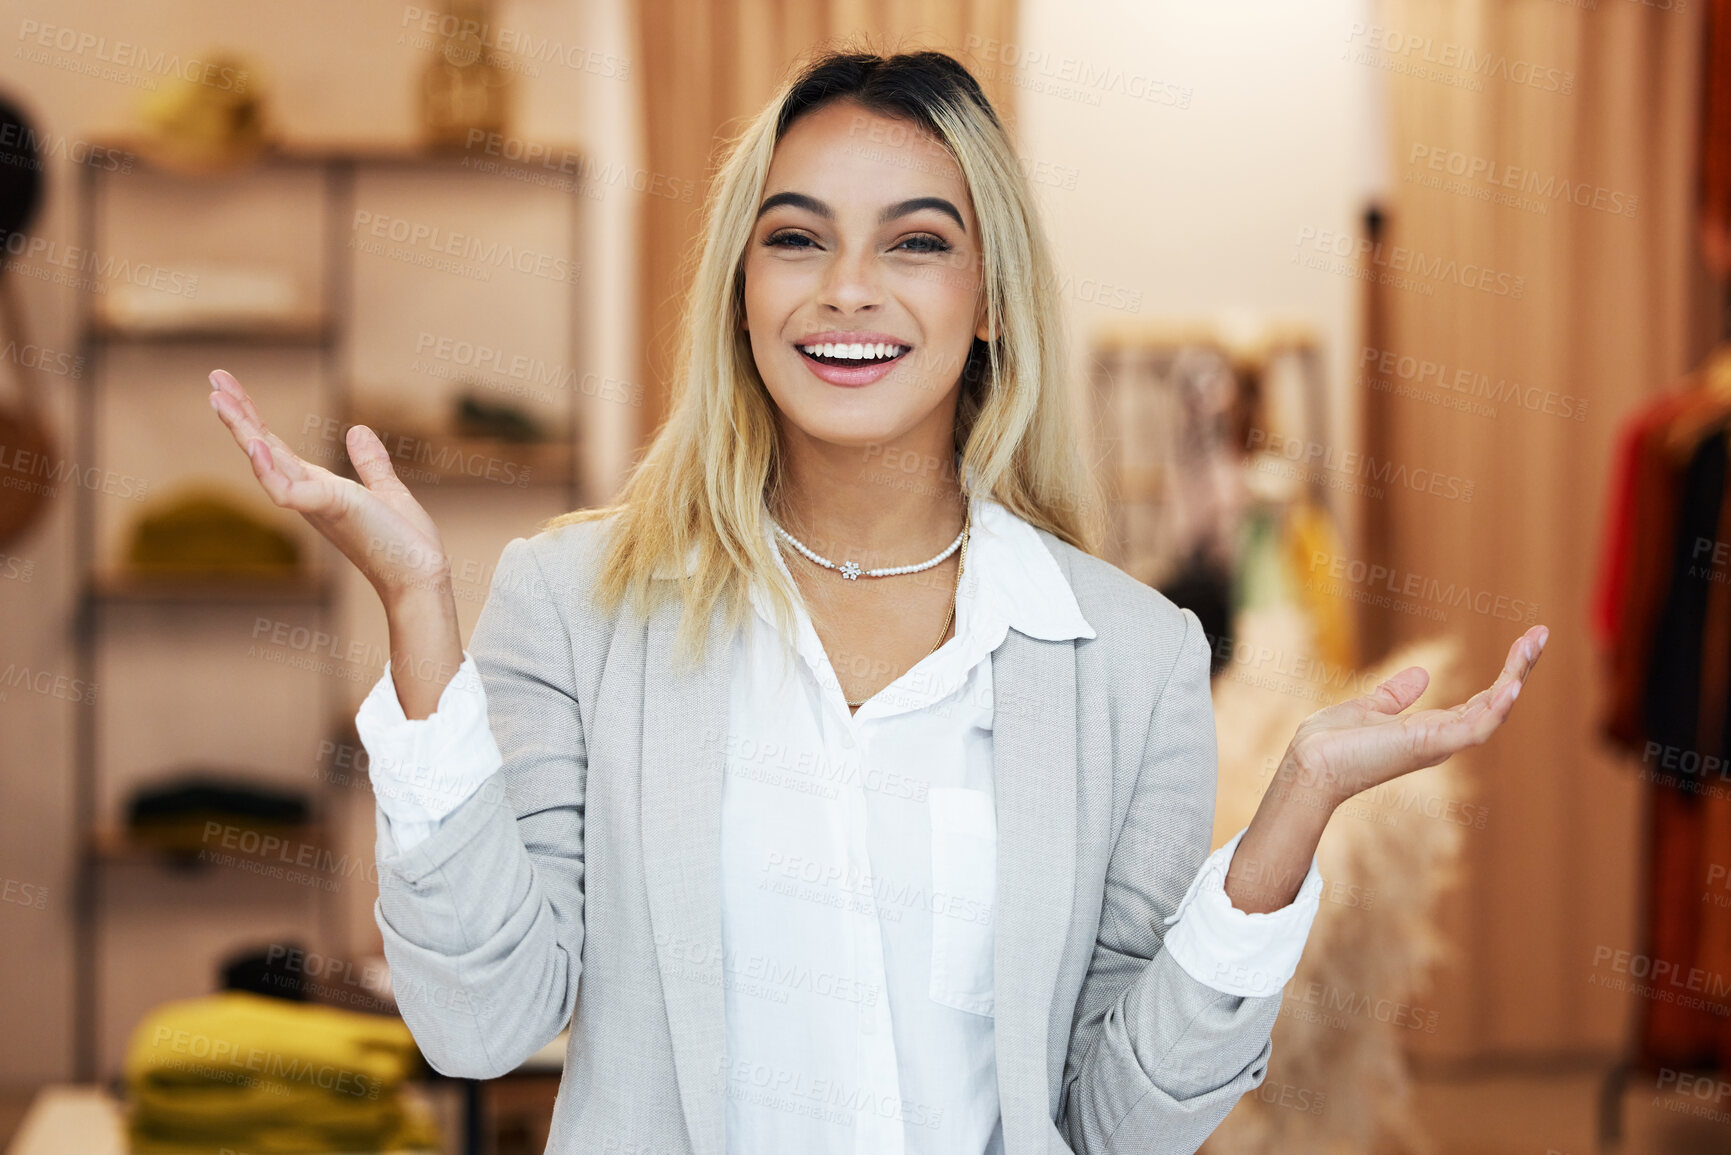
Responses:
[1349,747]
[1352,746]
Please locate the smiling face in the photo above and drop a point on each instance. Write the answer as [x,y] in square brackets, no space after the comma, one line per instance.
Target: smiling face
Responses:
[863,291]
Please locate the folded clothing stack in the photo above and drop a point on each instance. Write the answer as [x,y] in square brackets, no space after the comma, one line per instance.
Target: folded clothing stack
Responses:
[202,531]
[196,808]
[239,1071]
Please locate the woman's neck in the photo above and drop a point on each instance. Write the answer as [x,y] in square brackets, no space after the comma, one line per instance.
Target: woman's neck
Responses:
[889,504]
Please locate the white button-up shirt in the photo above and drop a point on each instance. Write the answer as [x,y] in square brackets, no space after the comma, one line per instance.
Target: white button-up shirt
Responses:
[858,867]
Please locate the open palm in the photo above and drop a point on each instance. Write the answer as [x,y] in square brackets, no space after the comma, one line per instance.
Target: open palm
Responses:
[375,522]
[1363,742]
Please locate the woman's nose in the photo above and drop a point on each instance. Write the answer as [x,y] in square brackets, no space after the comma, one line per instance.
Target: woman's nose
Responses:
[851,281]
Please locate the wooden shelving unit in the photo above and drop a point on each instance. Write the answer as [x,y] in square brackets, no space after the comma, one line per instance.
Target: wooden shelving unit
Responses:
[325,331]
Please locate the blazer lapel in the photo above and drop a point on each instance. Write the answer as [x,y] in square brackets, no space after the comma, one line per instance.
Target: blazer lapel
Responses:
[1034,768]
[685,719]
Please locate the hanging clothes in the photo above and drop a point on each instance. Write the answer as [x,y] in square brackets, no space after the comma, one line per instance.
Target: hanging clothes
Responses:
[1662,612]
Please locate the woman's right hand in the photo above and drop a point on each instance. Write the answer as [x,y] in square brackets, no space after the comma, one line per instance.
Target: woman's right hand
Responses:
[375,522]
[378,526]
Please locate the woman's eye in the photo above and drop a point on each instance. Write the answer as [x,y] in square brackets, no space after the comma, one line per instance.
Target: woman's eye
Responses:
[785,239]
[926,243]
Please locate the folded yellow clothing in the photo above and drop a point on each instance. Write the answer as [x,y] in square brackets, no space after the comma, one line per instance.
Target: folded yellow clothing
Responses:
[208,1040]
[268,1075]
[413,1131]
[416,1132]
[265,1103]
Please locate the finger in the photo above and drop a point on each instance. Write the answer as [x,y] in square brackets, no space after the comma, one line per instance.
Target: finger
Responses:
[372,461]
[1399,691]
[1523,655]
[1507,687]
[1440,733]
[246,427]
[224,380]
[227,385]
[276,483]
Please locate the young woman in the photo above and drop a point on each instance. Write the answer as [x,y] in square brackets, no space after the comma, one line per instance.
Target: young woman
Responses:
[828,787]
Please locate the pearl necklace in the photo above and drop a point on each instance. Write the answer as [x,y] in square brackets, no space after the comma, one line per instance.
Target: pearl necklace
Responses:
[851,570]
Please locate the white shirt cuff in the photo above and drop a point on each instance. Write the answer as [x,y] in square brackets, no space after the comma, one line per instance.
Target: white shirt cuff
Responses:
[1238,953]
[423,769]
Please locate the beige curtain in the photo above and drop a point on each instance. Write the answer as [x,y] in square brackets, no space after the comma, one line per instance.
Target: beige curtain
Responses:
[1601,94]
[709,65]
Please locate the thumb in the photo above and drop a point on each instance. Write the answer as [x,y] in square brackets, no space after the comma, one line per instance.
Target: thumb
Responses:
[1399,691]
[372,462]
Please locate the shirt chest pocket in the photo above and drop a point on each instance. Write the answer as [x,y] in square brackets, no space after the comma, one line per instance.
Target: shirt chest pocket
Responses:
[964,893]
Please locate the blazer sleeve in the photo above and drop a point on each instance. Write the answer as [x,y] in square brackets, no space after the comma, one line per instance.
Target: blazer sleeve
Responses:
[1157,1058]
[483,920]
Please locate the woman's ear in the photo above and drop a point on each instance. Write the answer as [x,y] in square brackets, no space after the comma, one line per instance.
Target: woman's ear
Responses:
[983,328]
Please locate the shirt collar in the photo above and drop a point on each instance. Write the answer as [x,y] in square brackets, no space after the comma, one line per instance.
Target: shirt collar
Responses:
[1016,580]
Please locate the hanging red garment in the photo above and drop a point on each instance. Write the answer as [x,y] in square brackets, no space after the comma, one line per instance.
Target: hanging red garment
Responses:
[1636,559]
[1689,816]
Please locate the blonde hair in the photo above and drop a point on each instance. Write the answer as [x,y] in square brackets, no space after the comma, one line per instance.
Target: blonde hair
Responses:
[699,491]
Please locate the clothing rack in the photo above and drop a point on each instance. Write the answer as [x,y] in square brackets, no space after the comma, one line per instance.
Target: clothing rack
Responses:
[1205,432]
[1616,1082]
[1169,396]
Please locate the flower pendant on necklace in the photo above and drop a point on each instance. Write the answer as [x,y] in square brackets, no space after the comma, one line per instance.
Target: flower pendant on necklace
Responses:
[850,570]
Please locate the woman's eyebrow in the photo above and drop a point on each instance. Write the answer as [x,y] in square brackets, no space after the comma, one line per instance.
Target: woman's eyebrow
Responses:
[900,209]
[918,203]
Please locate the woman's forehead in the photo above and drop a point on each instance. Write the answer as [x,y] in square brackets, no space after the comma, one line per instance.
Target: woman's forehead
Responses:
[846,153]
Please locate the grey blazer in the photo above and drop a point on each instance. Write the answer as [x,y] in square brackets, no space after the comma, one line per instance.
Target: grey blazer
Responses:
[588,866]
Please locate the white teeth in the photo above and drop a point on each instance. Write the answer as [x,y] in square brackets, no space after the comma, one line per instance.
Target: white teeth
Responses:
[876,351]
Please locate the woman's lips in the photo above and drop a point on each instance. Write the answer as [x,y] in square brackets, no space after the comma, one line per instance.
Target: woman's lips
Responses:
[850,375]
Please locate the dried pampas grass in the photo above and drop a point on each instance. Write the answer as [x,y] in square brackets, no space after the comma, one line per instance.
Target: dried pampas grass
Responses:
[1337,1080]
